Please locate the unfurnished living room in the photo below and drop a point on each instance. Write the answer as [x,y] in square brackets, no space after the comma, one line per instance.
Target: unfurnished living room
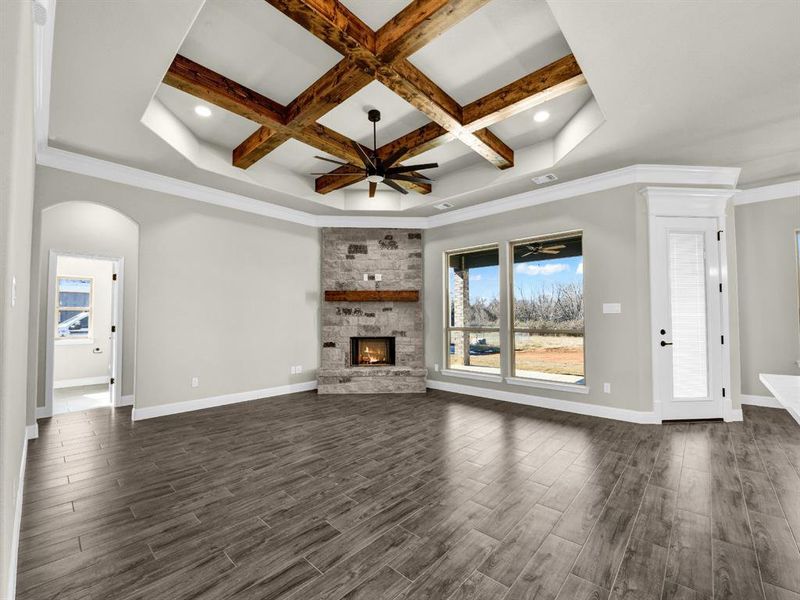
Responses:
[399,299]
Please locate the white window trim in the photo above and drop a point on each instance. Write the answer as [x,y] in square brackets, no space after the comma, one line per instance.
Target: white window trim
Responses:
[472,375]
[575,388]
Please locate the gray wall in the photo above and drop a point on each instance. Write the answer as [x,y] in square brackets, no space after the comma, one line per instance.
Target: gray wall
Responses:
[81,228]
[226,296]
[615,270]
[769,316]
[16,201]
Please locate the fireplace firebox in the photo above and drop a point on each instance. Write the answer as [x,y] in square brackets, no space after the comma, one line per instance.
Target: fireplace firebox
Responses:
[371,351]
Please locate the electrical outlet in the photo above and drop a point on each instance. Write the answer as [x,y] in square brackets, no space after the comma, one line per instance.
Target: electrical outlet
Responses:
[607,388]
[292,370]
[378,276]
[299,369]
[195,382]
[436,367]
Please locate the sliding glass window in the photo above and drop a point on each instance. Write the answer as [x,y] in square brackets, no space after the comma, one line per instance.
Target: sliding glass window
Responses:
[472,336]
[547,324]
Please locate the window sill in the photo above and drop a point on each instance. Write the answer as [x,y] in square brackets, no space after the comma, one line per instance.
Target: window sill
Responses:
[548,385]
[75,342]
[472,375]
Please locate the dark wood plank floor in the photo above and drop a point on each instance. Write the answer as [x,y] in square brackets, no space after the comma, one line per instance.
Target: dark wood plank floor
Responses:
[433,496]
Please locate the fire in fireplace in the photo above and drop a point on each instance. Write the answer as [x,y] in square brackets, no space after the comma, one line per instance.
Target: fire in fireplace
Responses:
[371,351]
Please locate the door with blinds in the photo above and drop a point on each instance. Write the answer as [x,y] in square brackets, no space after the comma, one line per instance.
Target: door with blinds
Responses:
[687,341]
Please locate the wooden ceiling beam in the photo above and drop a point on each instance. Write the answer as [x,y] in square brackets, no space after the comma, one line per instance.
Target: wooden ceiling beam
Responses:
[342,81]
[551,81]
[192,78]
[260,143]
[217,89]
[418,24]
[415,87]
[333,23]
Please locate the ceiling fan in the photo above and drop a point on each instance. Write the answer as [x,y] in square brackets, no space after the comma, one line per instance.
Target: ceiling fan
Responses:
[542,249]
[381,170]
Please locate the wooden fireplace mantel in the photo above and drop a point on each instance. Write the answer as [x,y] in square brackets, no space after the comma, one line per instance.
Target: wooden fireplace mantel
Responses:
[372,295]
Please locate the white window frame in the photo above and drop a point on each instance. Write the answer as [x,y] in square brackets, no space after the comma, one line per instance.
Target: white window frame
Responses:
[448,329]
[66,340]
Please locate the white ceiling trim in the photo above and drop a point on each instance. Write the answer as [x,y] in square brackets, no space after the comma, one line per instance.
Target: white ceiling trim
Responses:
[103,169]
[788,189]
[652,174]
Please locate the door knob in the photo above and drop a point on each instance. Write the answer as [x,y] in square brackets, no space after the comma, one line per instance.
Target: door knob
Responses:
[663,343]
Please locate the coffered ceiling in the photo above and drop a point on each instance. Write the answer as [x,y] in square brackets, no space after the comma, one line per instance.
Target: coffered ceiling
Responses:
[694,83]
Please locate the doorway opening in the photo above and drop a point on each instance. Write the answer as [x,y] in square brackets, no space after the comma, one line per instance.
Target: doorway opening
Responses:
[84,363]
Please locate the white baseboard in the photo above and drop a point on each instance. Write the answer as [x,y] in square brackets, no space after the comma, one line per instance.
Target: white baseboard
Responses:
[125,401]
[11,590]
[581,408]
[149,412]
[80,381]
[765,401]
[32,431]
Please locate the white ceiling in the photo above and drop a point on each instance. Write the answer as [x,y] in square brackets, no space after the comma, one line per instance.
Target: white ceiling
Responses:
[712,83]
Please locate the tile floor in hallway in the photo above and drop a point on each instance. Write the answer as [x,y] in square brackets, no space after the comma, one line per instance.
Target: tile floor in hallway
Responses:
[77,399]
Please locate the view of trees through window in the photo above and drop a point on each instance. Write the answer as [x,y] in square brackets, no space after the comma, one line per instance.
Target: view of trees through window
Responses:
[548,309]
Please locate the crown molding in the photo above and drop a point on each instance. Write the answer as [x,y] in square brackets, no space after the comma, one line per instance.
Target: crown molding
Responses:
[787,189]
[103,169]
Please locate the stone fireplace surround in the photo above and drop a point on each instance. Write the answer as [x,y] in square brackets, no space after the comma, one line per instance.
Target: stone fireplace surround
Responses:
[348,254]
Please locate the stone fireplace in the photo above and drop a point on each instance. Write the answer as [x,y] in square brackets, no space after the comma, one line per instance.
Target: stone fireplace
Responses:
[372,338]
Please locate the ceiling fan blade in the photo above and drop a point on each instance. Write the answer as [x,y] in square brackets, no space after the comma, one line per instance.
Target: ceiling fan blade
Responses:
[372,187]
[364,156]
[556,247]
[336,162]
[407,168]
[394,157]
[546,251]
[399,177]
[394,186]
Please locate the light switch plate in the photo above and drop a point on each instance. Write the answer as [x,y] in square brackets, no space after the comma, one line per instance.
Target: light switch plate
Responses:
[612,308]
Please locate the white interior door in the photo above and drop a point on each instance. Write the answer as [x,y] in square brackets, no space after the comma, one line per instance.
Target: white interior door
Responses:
[687,336]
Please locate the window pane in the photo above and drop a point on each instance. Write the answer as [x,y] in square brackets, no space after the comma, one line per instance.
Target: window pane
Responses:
[548,299]
[687,283]
[477,351]
[553,357]
[474,287]
[73,323]
[74,292]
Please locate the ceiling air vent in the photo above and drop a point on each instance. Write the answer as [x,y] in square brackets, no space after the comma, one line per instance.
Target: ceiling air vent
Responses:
[443,206]
[546,178]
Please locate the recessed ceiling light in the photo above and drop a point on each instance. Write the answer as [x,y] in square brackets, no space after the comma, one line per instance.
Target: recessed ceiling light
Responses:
[541,116]
[443,205]
[202,111]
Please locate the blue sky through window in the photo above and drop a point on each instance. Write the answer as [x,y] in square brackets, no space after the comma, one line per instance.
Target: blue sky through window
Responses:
[532,277]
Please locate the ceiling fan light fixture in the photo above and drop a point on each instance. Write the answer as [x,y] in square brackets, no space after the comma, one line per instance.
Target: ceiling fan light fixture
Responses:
[541,116]
[375,178]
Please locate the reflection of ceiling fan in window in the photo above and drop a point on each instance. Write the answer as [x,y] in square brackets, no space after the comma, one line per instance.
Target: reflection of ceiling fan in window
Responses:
[543,249]
[377,170]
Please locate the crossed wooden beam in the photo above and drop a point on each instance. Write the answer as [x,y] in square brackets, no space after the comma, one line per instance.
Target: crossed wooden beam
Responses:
[375,55]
